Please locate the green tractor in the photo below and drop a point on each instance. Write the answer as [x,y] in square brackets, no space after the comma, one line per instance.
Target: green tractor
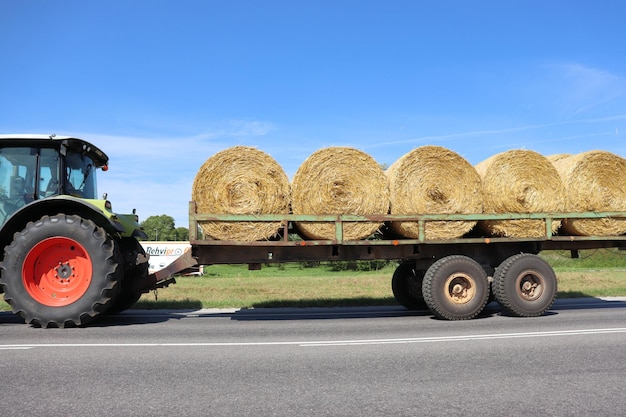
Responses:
[68,259]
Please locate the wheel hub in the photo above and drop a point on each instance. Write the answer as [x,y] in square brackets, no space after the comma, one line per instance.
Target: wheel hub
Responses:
[64,271]
[530,285]
[460,288]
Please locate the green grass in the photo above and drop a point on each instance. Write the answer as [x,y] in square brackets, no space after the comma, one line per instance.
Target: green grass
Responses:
[287,285]
[594,274]
[588,259]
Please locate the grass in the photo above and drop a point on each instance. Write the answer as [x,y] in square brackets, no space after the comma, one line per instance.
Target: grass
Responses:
[285,286]
[594,274]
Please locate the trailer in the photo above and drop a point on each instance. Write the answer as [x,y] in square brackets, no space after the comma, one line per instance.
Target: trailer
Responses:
[454,278]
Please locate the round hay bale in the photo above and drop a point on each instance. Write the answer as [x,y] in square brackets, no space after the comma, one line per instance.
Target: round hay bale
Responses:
[594,181]
[520,181]
[339,180]
[241,180]
[434,180]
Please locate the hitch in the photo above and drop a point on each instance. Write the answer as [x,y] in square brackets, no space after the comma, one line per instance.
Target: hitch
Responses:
[164,277]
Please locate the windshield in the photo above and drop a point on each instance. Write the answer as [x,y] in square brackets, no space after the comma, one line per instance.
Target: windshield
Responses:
[80,175]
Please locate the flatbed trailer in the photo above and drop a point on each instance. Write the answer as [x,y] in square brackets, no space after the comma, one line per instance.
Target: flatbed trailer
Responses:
[454,278]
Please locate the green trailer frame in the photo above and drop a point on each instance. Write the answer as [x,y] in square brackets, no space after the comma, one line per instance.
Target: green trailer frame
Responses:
[286,248]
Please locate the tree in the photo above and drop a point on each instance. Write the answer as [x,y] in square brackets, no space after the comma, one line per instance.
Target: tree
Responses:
[180,233]
[163,228]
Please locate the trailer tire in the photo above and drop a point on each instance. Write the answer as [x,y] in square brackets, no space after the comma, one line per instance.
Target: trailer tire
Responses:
[60,271]
[456,288]
[525,285]
[406,285]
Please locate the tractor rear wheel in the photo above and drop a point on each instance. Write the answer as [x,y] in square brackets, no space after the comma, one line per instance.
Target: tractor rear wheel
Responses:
[135,270]
[60,271]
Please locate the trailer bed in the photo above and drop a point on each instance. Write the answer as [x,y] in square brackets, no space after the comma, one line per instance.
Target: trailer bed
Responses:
[290,247]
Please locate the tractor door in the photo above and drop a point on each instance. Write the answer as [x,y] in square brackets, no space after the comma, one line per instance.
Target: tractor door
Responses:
[26,174]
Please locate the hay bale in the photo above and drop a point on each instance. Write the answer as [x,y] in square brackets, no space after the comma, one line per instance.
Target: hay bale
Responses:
[520,181]
[434,180]
[339,180]
[594,181]
[241,180]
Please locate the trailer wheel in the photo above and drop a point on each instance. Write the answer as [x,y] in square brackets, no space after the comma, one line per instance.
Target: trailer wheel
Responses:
[406,285]
[525,285]
[60,271]
[456,288]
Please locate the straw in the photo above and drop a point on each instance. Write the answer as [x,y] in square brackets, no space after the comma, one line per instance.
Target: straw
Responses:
[434,180]
[339,180]
[241,180]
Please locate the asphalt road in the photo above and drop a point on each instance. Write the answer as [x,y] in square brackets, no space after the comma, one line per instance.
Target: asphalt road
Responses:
[321,362]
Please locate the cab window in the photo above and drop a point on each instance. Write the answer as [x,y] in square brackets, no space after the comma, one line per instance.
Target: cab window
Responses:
[81,175]
[17,178]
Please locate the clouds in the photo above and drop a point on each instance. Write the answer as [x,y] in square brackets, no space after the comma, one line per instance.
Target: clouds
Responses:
[584,90]
[155,174]
[552,108]
[564,90]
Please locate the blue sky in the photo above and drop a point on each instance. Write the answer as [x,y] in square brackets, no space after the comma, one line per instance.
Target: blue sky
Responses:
[161,86]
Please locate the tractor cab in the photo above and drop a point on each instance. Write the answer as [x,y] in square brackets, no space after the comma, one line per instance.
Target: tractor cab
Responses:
[33,167]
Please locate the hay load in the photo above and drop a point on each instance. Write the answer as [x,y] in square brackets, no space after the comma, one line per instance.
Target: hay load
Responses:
[520,181]
[339,180]
[434,180]
[594,181]
[241,180]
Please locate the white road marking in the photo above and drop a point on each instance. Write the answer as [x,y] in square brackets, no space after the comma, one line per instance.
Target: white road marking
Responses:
[8,347]
[325,343]
[467,337]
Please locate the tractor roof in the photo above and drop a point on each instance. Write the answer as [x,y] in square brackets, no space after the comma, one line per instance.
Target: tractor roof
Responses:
[72,143]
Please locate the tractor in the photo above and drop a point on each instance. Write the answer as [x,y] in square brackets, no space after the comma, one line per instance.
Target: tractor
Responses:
[67,257]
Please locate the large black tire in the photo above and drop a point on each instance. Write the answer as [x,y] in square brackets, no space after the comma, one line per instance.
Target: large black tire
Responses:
[123,301]
[525,285]
[128,295]
[406,285]
[456,288]
[60,271]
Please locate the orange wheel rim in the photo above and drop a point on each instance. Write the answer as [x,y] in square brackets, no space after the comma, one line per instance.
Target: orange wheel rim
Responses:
[57,271]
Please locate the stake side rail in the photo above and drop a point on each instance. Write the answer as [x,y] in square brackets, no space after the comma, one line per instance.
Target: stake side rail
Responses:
[286,248]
